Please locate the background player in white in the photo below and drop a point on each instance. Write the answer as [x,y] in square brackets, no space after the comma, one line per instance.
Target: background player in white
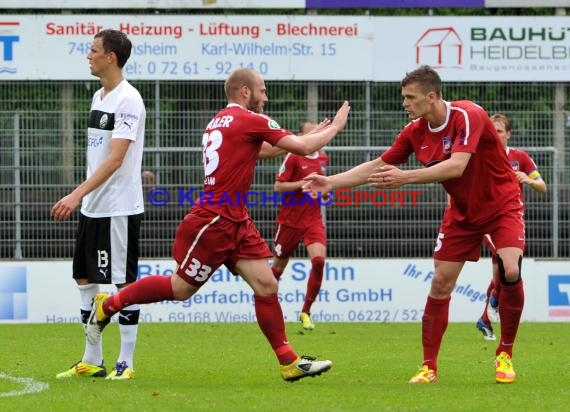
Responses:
[107,243]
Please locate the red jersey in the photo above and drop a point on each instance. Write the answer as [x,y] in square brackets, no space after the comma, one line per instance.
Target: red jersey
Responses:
[488,184]
[303,211]
[230,149]
[521,162]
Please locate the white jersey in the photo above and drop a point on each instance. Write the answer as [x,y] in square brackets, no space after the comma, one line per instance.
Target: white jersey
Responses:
[120,115]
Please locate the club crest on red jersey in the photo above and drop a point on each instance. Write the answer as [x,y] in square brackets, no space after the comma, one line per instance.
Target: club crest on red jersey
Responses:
[446,142]
[515,165]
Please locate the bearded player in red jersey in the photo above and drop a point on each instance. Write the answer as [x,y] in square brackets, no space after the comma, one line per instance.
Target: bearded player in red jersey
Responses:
[460,148]
[527,174]
[219,231]
[301,220]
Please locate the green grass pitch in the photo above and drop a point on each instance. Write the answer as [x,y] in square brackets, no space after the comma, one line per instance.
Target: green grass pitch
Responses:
[230,367]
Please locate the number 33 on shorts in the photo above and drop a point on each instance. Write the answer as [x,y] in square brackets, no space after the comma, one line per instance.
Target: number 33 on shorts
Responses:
[198,271]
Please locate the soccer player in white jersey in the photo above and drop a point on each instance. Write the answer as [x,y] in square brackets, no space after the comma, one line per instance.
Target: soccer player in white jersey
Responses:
[111,198]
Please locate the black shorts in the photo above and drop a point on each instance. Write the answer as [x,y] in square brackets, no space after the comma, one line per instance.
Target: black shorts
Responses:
[107,249]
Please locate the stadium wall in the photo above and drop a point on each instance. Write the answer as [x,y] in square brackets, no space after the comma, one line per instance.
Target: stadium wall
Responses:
[354,290]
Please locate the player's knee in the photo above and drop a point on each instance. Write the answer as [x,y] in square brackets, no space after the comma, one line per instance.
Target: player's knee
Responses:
[509,272]
[442,285]
[265,286]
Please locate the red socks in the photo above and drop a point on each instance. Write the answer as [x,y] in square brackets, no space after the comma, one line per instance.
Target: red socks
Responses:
[149,289]
[270,321]
[434,324]
[314,283]
[511,303]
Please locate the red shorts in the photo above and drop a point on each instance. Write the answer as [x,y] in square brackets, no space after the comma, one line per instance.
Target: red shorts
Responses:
[457,242]
[287,238]
[204,241]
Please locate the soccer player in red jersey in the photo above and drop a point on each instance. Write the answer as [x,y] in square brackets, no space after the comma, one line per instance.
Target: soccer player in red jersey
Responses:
[300,219]
[527,174]
[218,231]
[458,144]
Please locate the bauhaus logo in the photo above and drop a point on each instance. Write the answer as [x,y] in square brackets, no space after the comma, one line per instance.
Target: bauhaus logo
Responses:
[559,295]
[440,47]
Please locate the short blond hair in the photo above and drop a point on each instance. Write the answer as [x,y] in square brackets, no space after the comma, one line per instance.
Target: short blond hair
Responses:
[237,79]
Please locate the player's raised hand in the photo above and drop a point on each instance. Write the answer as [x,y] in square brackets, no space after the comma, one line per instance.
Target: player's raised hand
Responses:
[341,117]
[323,124]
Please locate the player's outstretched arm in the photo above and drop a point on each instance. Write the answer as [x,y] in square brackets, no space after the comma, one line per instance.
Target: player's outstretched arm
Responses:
[268,151]
[354,177]
[391,177]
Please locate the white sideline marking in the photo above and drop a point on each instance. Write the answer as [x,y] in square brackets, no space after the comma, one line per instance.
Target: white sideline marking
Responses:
[31,386]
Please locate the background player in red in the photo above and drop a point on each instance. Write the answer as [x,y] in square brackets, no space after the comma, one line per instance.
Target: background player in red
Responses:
[460,148]
[527,174]
[301,221]
[219,231]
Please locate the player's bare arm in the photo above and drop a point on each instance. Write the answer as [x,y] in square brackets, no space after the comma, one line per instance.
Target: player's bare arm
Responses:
[354,177]
[391,177]
[310,143]
[282,187]
[67,204]
[268,151]
[536,184]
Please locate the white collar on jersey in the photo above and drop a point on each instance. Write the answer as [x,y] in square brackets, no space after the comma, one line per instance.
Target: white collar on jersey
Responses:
[444,125]
[312,155]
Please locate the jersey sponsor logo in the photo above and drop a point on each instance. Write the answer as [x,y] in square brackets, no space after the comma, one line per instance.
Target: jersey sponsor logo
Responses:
[272,124]
[128,116]
[446,141]
[94,141]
